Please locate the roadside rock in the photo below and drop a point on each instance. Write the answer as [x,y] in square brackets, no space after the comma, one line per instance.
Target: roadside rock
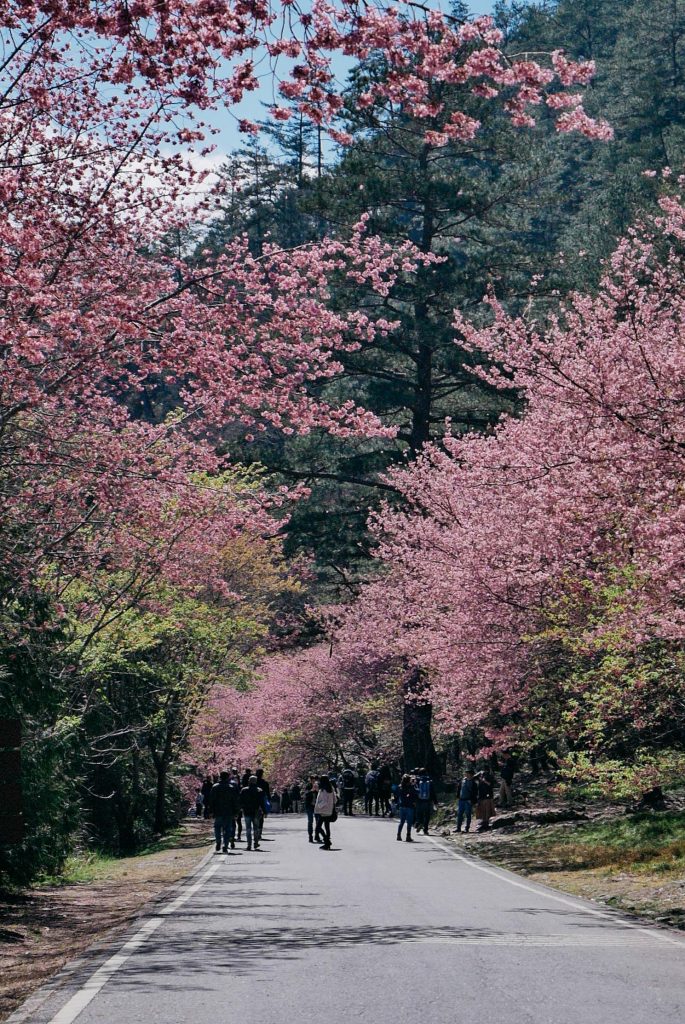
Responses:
[538,815]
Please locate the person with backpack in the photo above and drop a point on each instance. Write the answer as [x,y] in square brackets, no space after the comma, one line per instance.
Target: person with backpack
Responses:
[427,801]
[468,793]
[371,797]
[223,803]
[252,806]
[348,790]
[407,797]
[325,811]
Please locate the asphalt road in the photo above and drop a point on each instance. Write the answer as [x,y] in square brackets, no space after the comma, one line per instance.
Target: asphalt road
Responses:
[380,932]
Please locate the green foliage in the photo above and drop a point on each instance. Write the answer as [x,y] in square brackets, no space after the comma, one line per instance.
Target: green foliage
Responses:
[645,842]
[107,694]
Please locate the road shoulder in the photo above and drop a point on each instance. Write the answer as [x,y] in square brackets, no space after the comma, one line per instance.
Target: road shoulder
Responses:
[49,932]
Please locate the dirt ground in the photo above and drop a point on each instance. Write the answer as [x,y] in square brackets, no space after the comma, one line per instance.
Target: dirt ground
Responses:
[44,927]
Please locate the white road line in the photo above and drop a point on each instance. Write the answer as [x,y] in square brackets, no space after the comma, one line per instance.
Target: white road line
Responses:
[85,995]
[540,941]
[580,907]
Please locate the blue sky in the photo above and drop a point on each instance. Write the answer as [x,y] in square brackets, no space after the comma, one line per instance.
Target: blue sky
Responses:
[230,138]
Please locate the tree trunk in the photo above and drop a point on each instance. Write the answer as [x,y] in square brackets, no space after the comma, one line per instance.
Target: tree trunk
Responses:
[160,797]
[418,750]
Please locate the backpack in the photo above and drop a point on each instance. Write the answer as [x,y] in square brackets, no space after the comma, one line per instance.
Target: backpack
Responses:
[424,789]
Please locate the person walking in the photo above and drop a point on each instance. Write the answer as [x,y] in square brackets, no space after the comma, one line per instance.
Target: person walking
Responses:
[295,797]
[266,802]
[251,804]
[199,803]
[371,795]
[427,801]
[506,773]
[486,803]
[263,784]
[407,797]
[324,809]
[223,802]
[468,792]
[206,789]
[384,788]
[275,802]
[238,817]
[348,790]
[310,794]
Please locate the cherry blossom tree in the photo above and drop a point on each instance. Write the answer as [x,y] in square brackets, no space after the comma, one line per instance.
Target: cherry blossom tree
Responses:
[304,712]
[99,106]
[536,574]
[104,109]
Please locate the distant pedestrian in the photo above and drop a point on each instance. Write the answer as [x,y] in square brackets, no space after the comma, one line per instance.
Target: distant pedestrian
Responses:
[407,798]
[325,811]
[468,793]
[199,803]
[266,802]
[206,789]
[384,788]
[262,783]
[348,790]
[485,808]
[371,797]
[285,801]
[506,773]
[295,797]
[252,805]
[310,794]
[275,802]
[223,802]
[238,818]
[427,801]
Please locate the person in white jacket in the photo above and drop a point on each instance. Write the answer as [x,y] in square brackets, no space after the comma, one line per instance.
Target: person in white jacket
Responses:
[324,809]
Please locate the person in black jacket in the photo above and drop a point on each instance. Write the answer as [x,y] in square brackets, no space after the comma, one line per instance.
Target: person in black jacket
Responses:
[252,806]
[407,798]
[206,789]
[348,790]
[468,793]
[262,783]
[223,802]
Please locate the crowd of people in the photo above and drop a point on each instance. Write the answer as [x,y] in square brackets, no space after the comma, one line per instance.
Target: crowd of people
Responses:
[242,801]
